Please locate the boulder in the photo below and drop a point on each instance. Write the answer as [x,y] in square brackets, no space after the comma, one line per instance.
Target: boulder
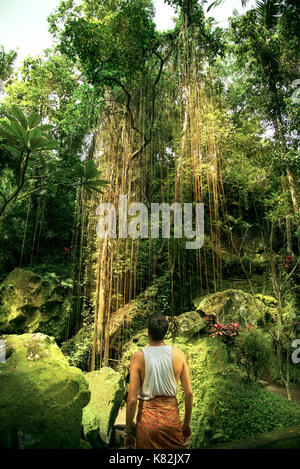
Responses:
[107,393]
[235,306]
[31,303]
[267,300]
[41,395]
[91,427]
[78,348]
[187,325]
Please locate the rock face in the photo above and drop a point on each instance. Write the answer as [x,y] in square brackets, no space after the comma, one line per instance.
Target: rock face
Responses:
[187,325]
[31,303]
[107,393]
[79,348]
[91,427]
[235,306]
[41,396]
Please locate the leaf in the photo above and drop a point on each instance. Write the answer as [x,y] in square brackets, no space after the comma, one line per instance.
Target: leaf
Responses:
[37,142]
[34,120]
[34,133]
[10,137]
[45,127]
[15,151]
[217,435]
[52,187]
[90,170]
[214,4]
[91,173]
[51,144]
[5,125]
[100,182]
[42,160]
[79,170]
[61,173]
[19,115]
[90,186]
[20,132]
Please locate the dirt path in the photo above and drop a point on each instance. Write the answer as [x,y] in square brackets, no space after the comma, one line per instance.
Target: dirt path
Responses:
[294,390]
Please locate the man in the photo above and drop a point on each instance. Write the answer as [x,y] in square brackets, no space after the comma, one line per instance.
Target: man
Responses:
[154,374]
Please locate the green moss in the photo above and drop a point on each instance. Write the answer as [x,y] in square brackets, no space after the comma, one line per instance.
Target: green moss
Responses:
[107,393]
[91,427]
[187,325]
[267,300]
[31,303]
[41,396]
[235,306]
[78,349]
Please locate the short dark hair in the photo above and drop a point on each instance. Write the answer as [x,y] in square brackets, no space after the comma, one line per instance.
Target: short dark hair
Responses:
[158,326]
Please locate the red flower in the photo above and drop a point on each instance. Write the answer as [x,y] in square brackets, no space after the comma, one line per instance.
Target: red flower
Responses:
[235,325]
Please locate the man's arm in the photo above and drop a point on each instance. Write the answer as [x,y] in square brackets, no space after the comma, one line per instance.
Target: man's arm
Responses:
[188,394]
[131,402]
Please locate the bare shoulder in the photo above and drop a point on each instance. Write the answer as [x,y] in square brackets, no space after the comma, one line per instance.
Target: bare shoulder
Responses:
[137,357]
[178,354]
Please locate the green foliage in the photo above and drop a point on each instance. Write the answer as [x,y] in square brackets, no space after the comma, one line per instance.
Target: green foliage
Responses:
[27,143]
[226,333]
[226,406]
[253,351]
[113,40]
[7,60]
[25,134]
[155,299]
[233,410]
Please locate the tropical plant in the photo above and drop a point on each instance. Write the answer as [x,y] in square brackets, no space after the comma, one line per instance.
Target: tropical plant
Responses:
[31,160]
[253,351]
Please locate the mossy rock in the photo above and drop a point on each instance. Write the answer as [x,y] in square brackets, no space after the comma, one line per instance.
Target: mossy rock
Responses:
[107,393]
[91,427]
[31,303]
[41,395]
[187,325]
[235,306]
[267,300]
[78,349]
[196,301]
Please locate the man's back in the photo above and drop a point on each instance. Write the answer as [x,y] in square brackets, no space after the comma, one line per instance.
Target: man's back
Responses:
[178,363]
[154,374]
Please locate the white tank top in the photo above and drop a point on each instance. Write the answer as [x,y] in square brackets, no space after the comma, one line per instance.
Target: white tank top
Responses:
[159,375]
